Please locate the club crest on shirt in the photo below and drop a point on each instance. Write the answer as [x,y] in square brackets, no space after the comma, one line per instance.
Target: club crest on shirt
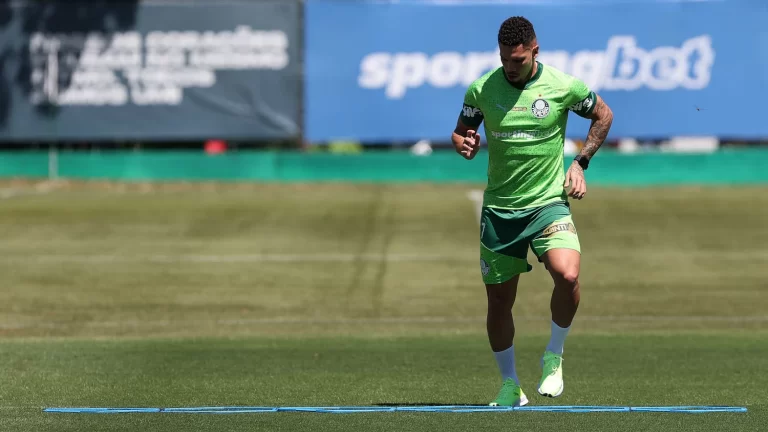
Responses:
[540,108]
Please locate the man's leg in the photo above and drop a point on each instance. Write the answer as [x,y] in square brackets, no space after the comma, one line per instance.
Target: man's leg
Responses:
[557,246]
[503,257]
[501,326]
[499,322]
[563,265]
[501,335]
[501,274]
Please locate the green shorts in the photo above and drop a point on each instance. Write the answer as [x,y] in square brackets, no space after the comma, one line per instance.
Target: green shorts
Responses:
[505,236]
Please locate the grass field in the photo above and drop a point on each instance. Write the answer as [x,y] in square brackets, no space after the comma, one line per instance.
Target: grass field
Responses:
[149,295]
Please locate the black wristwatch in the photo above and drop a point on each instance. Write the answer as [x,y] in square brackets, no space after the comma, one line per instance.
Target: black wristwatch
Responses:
[583,161]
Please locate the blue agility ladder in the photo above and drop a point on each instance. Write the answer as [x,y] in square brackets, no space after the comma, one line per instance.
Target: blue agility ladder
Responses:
[370,409]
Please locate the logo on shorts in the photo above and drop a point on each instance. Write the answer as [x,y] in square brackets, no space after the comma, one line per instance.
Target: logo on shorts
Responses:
[484,267]
[540,108]
[558,227]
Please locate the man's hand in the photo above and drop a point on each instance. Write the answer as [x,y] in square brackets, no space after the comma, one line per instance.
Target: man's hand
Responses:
[470,145]
[574,178]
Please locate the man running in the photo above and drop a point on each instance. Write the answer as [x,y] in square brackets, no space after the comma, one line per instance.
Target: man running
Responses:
[525,106]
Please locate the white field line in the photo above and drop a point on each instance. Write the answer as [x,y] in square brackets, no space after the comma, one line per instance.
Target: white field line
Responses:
[13,193]
[43,188]
[377,321]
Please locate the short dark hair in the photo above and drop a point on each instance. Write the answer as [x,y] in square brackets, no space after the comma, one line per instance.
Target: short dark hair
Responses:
[515,31]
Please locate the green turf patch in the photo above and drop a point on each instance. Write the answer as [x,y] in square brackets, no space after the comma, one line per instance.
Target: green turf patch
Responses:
[184,295]
[154,260]
[599,370]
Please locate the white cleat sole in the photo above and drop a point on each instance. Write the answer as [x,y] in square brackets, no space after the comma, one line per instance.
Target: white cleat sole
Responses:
[552,394]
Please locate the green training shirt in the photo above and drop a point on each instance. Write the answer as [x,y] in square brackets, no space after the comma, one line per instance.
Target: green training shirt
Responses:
[525,133]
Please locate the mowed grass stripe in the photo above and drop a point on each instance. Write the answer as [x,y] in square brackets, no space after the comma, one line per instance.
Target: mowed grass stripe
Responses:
[628,370]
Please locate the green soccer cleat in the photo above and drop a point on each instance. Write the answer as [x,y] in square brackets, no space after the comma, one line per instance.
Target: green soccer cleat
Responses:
[510,395]
[551,384]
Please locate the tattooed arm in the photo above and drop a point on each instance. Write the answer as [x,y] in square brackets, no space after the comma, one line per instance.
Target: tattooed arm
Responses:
[601,117]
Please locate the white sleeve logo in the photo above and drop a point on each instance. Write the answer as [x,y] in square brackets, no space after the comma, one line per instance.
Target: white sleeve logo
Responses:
[470,112]
[584,105]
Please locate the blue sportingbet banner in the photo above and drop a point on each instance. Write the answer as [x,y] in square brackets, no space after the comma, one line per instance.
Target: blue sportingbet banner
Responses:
[379,71]
[149,70]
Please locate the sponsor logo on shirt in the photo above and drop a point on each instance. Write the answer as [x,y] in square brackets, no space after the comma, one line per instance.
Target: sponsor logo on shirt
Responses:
[525,134]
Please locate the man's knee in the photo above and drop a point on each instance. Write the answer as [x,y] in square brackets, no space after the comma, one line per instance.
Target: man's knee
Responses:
[502,296]
[500,299]
[567,277]
[563,265]
[570,276]
[568,285]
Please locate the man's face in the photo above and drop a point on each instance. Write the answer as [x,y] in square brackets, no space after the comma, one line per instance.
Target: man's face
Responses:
[518,61]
